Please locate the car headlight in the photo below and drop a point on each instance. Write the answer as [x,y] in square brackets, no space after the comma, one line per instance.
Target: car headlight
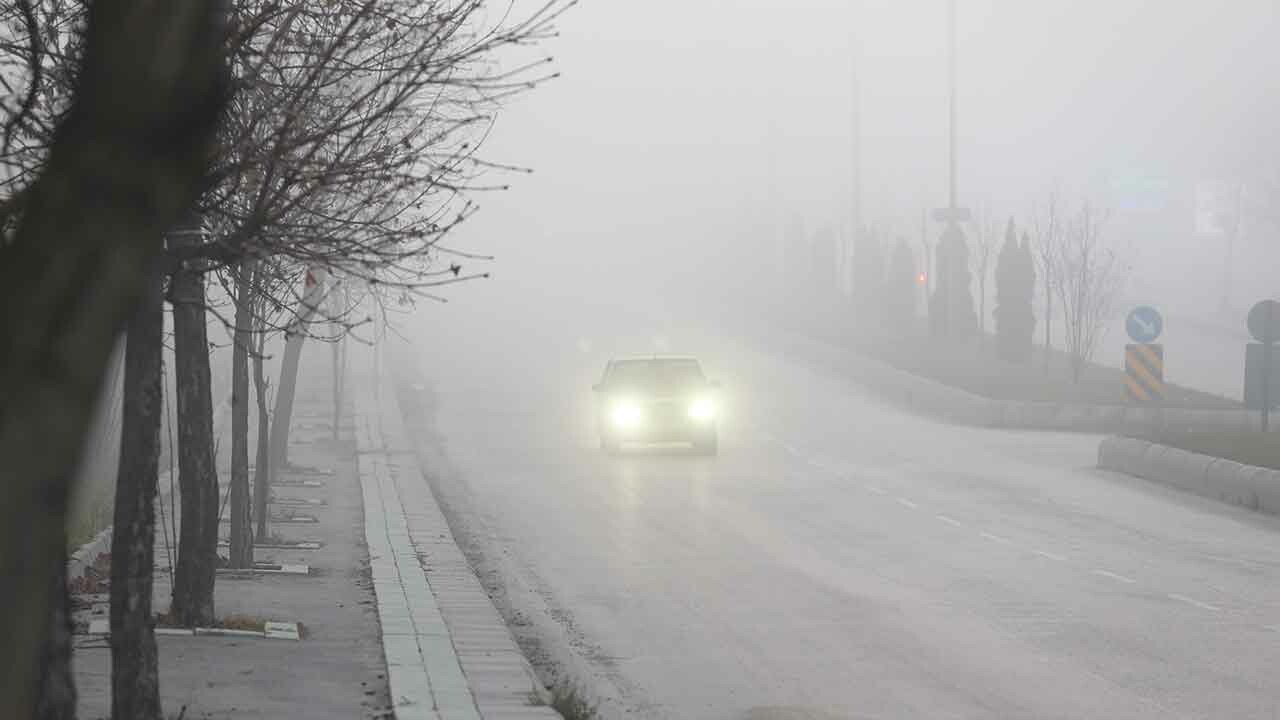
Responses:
[702,409]
[625,414]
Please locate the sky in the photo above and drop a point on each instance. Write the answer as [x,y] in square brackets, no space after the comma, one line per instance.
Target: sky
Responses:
[682,135]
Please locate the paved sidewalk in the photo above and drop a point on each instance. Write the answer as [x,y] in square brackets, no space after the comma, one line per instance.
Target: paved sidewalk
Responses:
[449,654]
[337,670]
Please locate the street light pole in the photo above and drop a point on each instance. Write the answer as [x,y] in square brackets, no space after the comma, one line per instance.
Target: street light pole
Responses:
[855,179]
[951,70]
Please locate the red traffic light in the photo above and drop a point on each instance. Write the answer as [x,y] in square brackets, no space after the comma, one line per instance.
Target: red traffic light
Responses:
[921,278]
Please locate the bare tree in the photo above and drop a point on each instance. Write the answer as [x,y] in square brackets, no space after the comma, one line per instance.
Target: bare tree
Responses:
[1091,276]
[986,243]
[126,159]
[1048,225]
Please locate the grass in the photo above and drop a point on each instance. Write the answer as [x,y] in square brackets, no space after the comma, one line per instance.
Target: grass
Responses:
[1252,448]
[977,367]
[230,622]
[90,514]
[571,703]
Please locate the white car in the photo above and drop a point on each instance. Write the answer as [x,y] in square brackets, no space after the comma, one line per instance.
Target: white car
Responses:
[658,398]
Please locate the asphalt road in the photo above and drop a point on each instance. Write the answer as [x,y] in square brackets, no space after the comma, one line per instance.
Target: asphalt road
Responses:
[841,559]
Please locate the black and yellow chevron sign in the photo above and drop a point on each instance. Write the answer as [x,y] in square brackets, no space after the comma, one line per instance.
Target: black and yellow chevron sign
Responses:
[1144,372]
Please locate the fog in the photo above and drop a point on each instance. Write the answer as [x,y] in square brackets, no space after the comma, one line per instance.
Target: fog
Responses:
[684,134]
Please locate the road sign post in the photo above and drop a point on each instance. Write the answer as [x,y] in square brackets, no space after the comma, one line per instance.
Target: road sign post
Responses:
[1144,372]
[1144,359]
[1264,325]
[1144,324]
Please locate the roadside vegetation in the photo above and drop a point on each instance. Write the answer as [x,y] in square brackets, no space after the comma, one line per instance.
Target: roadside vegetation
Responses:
[284,171]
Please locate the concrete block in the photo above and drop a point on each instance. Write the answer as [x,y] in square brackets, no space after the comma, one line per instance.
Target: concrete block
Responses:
[1247,486]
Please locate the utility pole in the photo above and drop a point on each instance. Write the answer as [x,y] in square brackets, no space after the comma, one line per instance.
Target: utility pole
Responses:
[951,73]
[855,202]
[953,214]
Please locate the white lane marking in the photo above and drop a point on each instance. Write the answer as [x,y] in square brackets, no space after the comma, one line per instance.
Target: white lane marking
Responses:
[1194,602]
[907,503]
[1114,576]
[950,521]
[1050,555]
[995,538]
[876,490]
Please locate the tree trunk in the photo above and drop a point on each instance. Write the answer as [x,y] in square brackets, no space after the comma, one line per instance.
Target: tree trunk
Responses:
[262,469]
[128,156]
[337,383]
[294,337]
[982,302]
[135,686]
[241,554]
[1048,325]
[284,401]
[56,694]
[194,576]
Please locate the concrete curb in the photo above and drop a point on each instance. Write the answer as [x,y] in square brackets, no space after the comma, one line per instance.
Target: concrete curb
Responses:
[1248,486]
[87,554]
[930,397]
[448,652]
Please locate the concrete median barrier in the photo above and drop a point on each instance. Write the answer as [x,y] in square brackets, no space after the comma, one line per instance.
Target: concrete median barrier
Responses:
[1247,486]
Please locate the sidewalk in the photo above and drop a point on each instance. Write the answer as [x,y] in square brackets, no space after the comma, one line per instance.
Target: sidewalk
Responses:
[449,653]
[393,621]
[337,670]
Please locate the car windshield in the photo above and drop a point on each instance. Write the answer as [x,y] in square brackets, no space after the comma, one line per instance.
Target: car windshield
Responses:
[655,374]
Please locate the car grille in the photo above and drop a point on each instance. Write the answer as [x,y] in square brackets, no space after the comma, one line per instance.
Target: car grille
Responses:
[667,411]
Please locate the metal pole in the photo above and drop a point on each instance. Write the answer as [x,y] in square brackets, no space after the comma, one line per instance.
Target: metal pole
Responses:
[855,210]
[951,69]
[1268,341]
[1266,386]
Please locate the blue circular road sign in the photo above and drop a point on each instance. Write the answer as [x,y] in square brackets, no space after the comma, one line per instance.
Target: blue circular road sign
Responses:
[1144,324]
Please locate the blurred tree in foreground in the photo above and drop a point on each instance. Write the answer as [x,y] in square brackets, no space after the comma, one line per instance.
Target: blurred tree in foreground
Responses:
[129,155]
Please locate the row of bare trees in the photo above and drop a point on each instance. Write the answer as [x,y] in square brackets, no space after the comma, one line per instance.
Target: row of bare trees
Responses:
[211,155]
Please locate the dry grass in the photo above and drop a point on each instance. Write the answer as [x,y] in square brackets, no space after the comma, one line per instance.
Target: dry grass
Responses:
[571,703]
[242,622]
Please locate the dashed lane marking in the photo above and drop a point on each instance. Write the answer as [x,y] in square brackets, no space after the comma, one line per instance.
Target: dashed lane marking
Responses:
[876,490]
[1114,576]
[950,521]
[907,503]
[1050,555]
[1194,602]
[995,538]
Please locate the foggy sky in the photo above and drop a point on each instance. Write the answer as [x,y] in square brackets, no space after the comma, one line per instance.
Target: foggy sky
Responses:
[683,127]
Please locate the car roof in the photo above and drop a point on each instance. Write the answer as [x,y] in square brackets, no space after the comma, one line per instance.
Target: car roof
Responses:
[650,358]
